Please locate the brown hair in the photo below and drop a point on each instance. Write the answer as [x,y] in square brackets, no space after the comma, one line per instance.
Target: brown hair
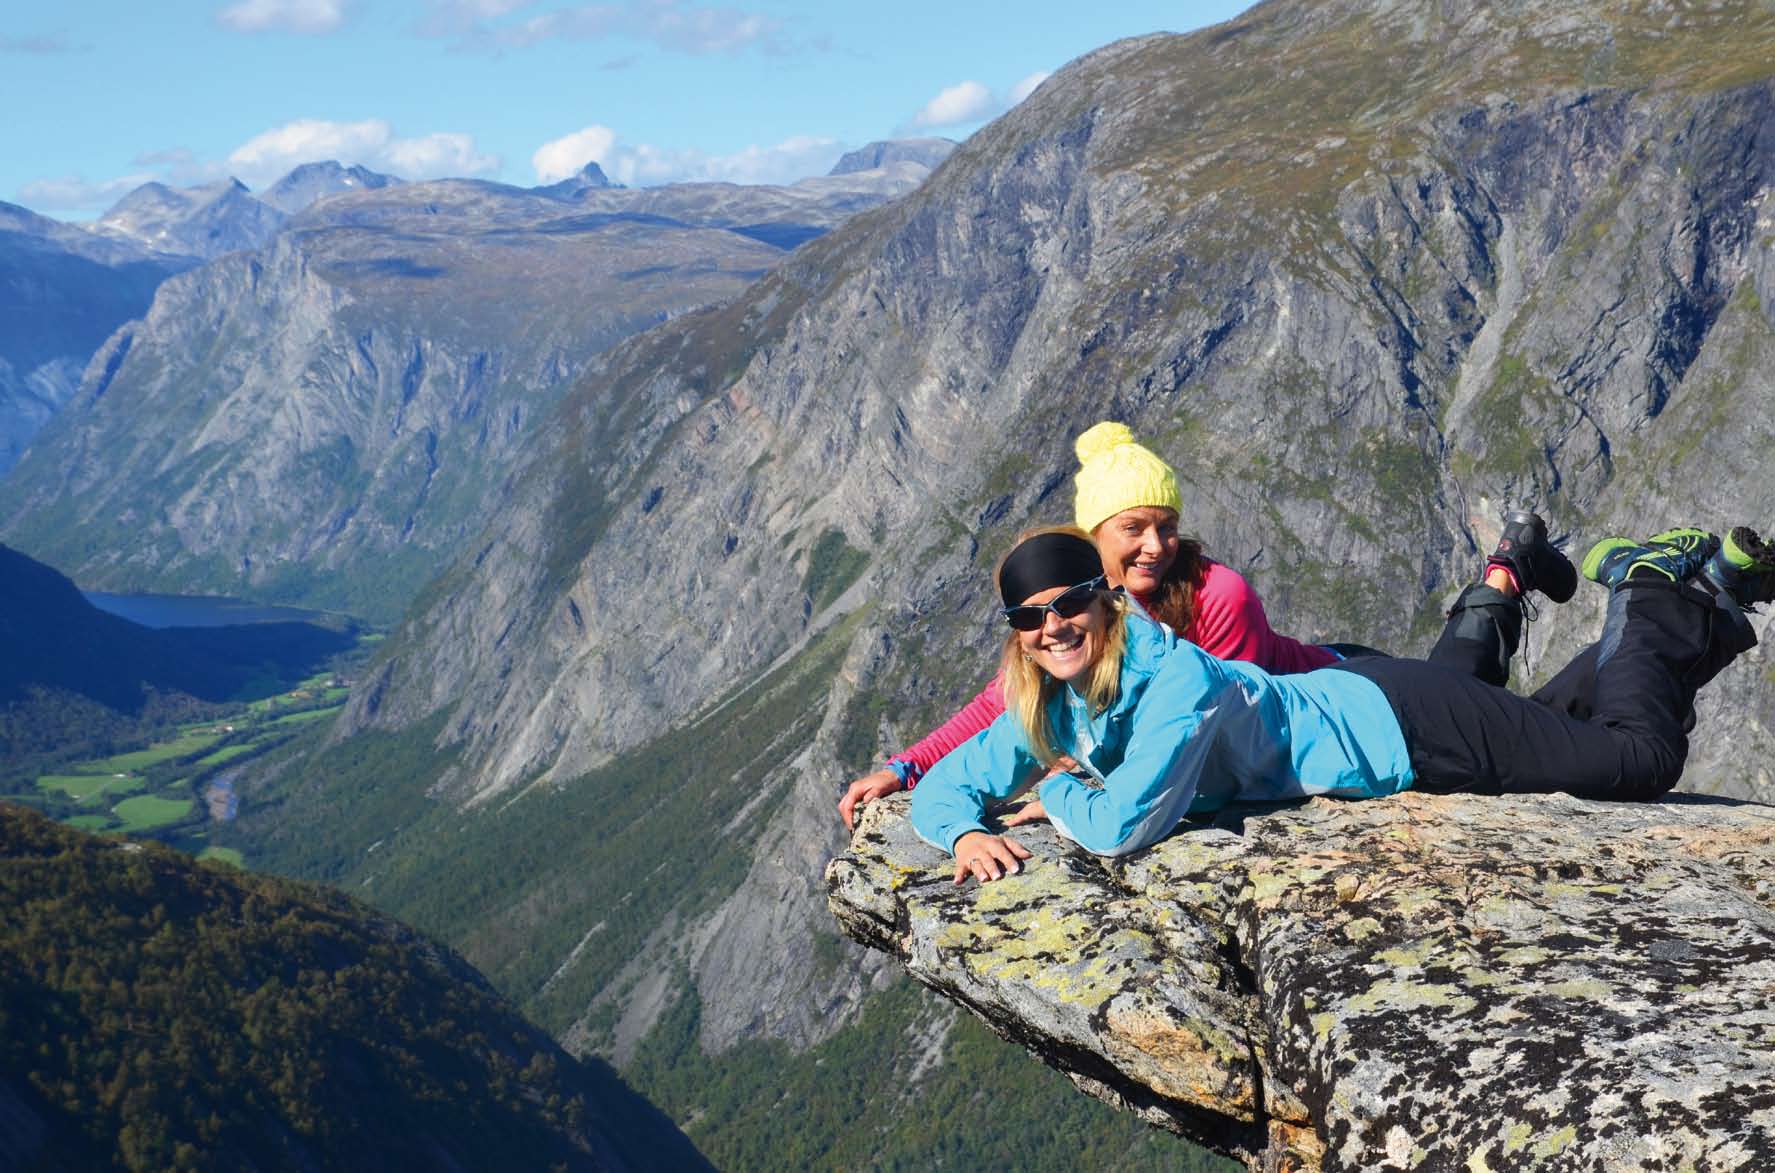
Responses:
[1174,604]
[1028,689]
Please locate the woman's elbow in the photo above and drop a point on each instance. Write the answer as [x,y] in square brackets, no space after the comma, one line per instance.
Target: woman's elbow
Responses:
[1109,842]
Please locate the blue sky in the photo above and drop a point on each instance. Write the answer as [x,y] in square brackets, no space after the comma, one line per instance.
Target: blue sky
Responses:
[103,95]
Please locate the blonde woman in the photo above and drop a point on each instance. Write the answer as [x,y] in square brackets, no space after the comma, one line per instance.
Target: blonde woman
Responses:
[1152,728]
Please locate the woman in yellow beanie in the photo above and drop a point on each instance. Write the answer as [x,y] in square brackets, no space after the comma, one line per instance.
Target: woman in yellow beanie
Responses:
[1128,502]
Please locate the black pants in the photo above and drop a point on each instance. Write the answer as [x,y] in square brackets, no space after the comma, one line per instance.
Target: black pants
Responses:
[1481,636]
[1661,642]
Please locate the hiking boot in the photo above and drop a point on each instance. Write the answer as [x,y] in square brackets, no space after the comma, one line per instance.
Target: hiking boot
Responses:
[1675,555]
[1534,562]
[1744,568]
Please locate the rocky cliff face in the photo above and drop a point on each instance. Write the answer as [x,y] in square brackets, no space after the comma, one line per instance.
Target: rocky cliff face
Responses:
[324,420]
[1420,982]
[1365,272]
[62,292]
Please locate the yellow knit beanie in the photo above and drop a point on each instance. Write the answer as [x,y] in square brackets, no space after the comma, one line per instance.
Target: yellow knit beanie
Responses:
[1115,474]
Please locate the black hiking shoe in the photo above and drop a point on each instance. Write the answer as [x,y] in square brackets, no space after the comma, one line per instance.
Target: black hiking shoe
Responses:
[1675,555]
[1534,562]
[1743,568]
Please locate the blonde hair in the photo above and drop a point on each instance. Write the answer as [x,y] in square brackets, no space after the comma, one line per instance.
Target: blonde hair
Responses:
[1028,689]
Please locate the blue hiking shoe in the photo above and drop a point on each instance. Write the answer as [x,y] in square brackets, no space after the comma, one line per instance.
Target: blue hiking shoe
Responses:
[1675,555]
[1743,568]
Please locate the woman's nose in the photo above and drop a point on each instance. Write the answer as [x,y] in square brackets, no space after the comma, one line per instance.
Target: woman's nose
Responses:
[1052,624]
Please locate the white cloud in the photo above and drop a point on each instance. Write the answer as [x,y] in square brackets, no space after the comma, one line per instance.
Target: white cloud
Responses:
[967,101]
[491,26]
[266,157]
[566,155]
[436,156]
[970,102]
[643,165]
[454,18]
[70,193]
[290,16]
[1027,86]
[702,30]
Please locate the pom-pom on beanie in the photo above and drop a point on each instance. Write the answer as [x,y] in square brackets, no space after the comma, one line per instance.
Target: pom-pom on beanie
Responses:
[1115,473]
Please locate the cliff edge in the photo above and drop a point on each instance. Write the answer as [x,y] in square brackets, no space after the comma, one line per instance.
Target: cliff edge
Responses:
[1439,982]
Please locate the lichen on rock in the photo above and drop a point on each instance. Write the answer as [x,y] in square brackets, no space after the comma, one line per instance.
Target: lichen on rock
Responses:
[1417,982]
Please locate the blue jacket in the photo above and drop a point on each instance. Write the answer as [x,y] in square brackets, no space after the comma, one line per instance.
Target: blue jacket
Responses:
[1187,733]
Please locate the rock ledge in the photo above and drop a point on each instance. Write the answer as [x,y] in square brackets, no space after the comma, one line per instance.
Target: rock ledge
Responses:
[1442,982]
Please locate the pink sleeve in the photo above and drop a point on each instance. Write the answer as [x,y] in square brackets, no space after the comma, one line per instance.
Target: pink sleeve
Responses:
[970,719]
[1230,623]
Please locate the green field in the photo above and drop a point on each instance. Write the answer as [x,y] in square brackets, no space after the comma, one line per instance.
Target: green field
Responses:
[224,754]
[89,822]
[157,789]
[145,812]
[86,787]
[308,715]
[188,742]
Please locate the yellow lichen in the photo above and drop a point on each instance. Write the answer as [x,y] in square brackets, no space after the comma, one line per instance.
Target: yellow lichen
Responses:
[1394,994]
[1362,928]
[1553,1145]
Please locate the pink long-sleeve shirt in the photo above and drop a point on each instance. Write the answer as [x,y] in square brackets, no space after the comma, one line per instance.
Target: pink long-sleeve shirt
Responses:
[1230,623]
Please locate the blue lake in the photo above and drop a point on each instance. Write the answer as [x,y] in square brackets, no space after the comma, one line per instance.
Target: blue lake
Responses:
[195,610]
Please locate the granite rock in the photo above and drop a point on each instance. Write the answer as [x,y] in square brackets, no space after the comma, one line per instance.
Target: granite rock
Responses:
[1420,982]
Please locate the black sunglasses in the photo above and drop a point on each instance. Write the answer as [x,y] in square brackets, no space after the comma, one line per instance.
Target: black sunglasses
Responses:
[1068,603]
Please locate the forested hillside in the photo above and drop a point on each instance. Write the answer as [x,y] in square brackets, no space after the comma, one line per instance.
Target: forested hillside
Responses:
[156,1013]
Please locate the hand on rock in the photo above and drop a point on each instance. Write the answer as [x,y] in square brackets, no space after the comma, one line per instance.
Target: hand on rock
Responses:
[987,857]
[866,790]
[1030,812]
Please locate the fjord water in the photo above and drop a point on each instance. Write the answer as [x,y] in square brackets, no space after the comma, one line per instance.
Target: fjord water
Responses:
[197,610]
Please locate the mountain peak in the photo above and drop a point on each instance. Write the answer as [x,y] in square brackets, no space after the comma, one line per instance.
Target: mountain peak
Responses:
[927,152]
[310,182]
[202,221]
[591,177]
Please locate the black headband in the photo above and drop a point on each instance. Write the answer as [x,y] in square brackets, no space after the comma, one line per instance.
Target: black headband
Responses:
[1046,561]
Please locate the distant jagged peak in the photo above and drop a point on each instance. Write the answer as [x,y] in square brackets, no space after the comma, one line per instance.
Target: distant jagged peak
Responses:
[205,220]
[309,182]
[927,152]
[591,177]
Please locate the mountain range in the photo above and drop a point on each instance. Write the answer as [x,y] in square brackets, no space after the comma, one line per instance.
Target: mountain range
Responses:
[320,417]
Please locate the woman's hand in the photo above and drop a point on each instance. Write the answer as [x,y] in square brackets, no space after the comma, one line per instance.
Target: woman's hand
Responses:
[866,790]
[987,857]
[1030,812]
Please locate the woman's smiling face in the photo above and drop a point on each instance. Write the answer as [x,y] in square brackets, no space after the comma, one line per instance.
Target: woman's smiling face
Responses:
[1066,648]
[1138,547]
